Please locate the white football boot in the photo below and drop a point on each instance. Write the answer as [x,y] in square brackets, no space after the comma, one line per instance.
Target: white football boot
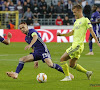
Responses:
[89,73]
[67,78]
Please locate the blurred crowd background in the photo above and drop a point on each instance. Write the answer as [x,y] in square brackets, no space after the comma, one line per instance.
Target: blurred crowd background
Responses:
[47,12]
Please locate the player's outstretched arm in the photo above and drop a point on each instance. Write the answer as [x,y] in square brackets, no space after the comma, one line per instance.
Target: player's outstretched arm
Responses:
[94,36]
[66,34]
[7,41]
[32,42]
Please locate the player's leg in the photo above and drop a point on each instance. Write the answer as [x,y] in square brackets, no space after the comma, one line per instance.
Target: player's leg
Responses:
[72,64]
[90,46]
[50,64]
[65,66]
[47,58]
[56,66]
[53,65]
[28,58]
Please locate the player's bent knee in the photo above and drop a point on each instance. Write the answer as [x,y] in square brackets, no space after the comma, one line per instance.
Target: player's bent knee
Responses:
[49,62]
[50,65]
[22,59]
[71,65]
[61,59]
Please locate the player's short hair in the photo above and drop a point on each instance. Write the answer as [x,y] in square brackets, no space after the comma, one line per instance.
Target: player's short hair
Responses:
[22,23]
[78,6]
[95,7]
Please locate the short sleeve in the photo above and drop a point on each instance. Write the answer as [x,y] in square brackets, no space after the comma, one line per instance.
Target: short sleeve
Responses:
[32,32]
[88,23]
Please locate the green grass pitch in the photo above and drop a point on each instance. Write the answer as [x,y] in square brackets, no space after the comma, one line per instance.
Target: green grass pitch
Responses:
[9,58]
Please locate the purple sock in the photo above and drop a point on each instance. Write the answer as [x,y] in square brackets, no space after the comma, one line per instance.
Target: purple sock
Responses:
[57,67]
[90,45]
[19,67]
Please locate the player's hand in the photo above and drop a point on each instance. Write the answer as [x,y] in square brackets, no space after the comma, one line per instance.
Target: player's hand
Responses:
[36,64]
[9,35]
[28,47]
[58,34]
[98,44]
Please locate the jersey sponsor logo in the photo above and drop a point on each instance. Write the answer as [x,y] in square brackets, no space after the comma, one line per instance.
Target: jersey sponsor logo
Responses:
[62,38]
[46,35]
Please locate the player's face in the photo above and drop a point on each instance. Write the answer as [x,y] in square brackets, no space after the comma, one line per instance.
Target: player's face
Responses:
[23,28]
[76,12]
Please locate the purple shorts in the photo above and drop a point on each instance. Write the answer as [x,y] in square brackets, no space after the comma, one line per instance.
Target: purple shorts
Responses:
[41,55]
[1,39]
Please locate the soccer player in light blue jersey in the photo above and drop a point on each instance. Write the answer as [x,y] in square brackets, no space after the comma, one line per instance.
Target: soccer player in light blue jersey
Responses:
[95,20]
[41,51]
[6,41]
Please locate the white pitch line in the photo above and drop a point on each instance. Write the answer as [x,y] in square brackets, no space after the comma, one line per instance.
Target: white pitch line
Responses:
[10,54]
[9,59]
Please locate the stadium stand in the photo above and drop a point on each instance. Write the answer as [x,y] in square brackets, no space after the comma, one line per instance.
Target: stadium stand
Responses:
[45,11]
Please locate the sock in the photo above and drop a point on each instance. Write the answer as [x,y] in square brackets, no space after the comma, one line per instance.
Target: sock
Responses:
[57,67]
[19,67]
[90,45]
[80,68]
[65,68]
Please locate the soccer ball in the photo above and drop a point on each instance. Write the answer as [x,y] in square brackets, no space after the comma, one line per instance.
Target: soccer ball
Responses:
[41,77]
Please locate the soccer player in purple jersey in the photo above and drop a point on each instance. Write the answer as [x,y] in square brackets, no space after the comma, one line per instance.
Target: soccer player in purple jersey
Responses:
[6,41]
[40,51]
[95,20]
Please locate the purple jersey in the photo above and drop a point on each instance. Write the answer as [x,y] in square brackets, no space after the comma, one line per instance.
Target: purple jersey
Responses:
[39,43]
[1,39]
[40,48]
[95,16]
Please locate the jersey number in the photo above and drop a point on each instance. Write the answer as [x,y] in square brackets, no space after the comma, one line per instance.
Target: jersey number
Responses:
[44,55]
